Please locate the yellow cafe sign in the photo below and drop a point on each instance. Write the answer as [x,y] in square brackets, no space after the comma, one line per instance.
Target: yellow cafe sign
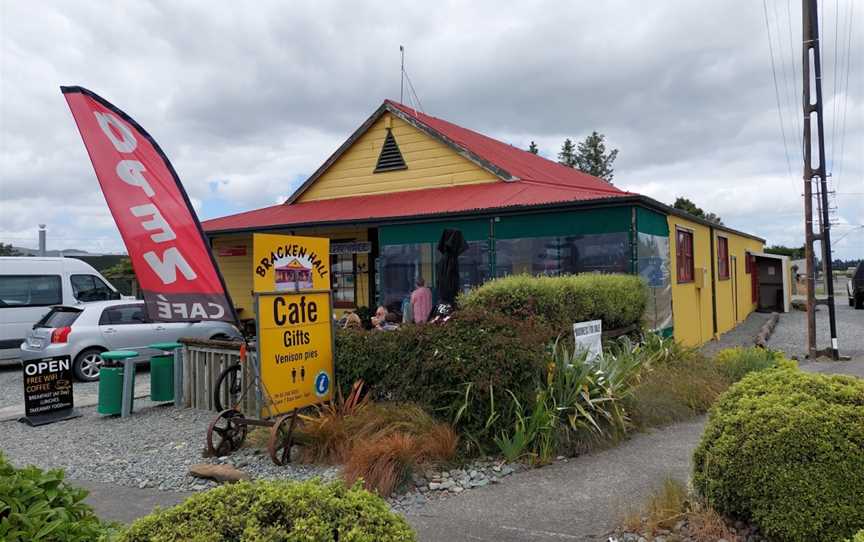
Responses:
[295,345]
[293,310]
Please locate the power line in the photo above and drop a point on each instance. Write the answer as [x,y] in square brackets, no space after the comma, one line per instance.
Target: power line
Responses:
[776,89]
[849,65]
[834,84]
[796,102]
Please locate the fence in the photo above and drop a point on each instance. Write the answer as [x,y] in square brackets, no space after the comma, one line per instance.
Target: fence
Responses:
[203,361]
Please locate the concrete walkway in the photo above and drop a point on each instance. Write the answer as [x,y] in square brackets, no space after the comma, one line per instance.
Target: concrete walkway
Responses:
[581,499]
[126,504]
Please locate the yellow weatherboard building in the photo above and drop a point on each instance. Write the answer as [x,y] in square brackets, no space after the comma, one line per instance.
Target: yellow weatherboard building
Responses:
[386,195]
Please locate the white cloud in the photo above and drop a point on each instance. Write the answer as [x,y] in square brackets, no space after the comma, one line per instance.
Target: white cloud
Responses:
[247,101]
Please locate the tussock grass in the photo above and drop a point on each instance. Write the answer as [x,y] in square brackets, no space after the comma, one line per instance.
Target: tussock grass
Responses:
[382,444]
[673,503]
[677,389]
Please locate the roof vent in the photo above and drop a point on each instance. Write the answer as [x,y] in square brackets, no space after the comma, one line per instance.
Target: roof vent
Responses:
[390,158]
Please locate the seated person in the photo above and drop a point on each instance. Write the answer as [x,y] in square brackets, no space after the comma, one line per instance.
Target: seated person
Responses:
[352,321]
[381,320]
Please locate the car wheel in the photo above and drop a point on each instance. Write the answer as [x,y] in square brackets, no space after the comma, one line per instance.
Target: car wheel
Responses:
[87,364]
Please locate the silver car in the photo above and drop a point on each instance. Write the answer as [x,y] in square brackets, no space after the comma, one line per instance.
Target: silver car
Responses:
[84,332]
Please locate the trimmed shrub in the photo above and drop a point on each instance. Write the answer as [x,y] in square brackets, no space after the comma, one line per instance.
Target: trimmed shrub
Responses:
[283,511]
[40,505]
[618,300]
[735,363]
[457,370]
[785,449]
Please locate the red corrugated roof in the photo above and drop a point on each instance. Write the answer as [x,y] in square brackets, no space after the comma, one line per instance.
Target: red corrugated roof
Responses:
[519,163]
[537,182]
[431,201]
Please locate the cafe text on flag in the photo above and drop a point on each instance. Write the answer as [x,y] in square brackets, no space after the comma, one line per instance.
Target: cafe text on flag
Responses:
[169,253]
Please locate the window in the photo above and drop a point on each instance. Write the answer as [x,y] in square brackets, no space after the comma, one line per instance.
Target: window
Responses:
[122,315]
[91,288]
[684,255]
[747,262]
[30,290]
[604,253]
[59,317]
[343,279]
[722,258]
[399,268]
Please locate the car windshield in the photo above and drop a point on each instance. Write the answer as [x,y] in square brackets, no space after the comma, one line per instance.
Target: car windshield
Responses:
[59,317]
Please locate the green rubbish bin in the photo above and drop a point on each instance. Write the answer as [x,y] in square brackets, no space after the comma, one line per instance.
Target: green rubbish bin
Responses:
[162,372]
[111,382]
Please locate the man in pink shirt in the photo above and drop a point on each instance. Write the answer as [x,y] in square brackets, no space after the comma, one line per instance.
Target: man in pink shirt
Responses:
[421,302]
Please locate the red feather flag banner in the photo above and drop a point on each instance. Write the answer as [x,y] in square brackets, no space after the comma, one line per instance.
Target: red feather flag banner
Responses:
[170,255]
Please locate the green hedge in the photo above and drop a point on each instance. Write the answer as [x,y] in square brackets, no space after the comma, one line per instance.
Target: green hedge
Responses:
[618,300]
[786,449]
[467,362]
[274,511]
[40,505]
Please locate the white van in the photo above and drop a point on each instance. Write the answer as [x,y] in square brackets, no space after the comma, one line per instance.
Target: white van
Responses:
[30,286]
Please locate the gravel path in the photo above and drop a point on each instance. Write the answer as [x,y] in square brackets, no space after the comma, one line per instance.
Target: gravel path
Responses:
[153,448]
[790,335]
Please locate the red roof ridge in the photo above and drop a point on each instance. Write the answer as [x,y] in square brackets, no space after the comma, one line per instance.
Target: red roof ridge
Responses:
[519,163]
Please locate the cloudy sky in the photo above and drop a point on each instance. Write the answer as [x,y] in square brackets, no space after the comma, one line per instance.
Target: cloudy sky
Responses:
[248,99]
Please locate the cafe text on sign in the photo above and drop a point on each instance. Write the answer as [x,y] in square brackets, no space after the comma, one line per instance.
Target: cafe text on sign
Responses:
[295,349]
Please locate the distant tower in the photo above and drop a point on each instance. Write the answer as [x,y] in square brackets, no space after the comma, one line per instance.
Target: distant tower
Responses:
[42,233]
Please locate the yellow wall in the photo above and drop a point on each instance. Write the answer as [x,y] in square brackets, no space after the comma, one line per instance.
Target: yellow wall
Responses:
[738,277]
[237,270]
[430,164]
[691,306]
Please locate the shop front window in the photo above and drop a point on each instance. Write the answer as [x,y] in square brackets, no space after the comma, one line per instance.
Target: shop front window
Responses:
[604,253]
[399,268]
[473,265]
[343,279]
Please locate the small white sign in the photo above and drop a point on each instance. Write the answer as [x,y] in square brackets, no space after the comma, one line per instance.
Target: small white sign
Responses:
[587,336]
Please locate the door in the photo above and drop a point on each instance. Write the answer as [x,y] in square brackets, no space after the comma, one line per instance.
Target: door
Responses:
[123,327]
[170,332]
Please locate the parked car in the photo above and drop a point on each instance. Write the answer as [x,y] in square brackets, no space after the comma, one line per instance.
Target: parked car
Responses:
[855,287]
[30,286]
[84,332]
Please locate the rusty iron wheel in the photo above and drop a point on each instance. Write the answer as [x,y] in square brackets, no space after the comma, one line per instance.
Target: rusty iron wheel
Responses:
[280,439]
[226,433]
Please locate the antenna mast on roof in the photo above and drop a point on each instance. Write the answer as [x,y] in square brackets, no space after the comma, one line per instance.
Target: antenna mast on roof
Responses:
[413,99]
[402,76]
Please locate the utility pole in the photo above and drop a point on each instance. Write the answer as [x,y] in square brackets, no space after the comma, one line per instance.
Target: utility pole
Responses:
[811,48]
